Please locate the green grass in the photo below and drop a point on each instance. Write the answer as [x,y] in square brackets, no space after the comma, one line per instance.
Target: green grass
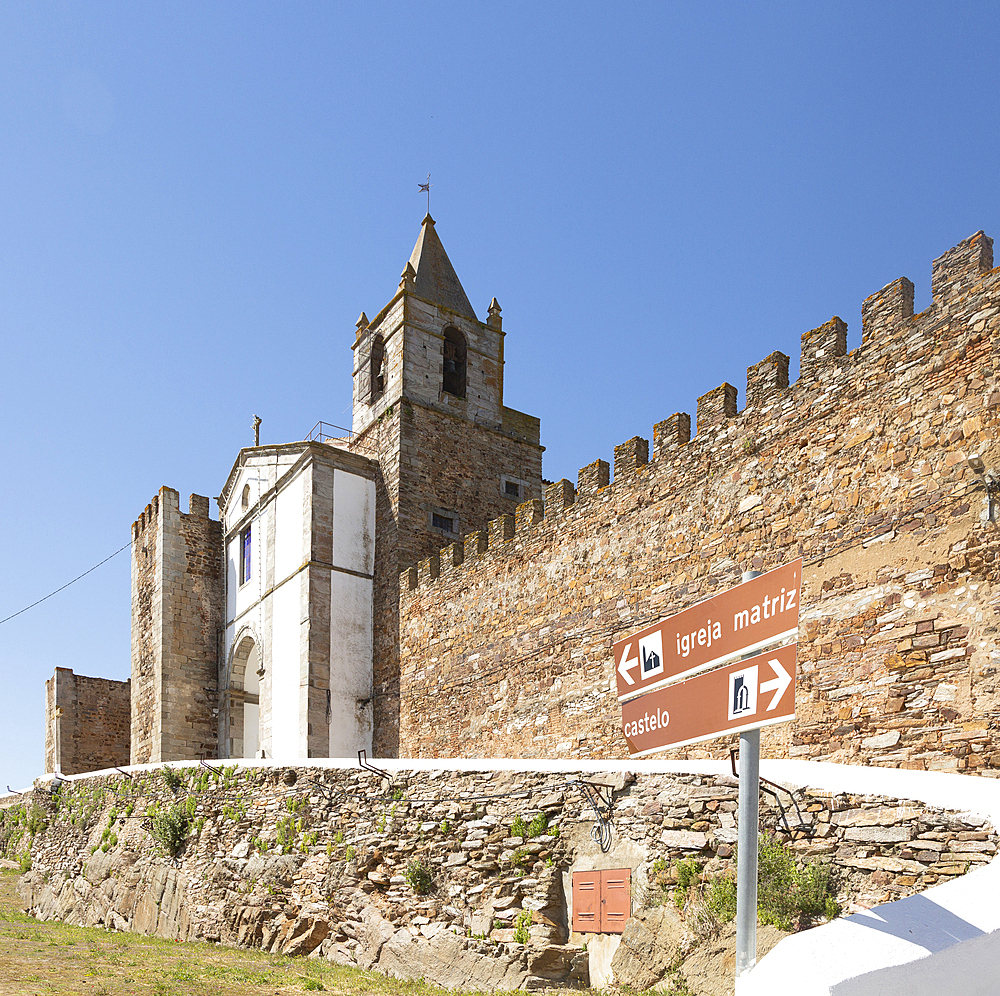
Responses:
[55,958]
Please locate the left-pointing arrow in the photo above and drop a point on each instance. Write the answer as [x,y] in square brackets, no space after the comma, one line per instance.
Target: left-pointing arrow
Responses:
[627,663]
[776,685]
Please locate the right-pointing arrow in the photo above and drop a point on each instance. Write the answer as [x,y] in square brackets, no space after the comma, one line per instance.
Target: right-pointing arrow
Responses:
[776,685]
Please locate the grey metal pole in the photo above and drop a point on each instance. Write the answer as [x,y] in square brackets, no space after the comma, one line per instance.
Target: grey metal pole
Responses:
[746,854]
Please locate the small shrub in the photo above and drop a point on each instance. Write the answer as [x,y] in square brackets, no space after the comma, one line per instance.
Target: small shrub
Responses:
[338,837]
[314,984]
[521,925]
[721,898]
[25,863]
[786,892]
[520,857]
[418,877]
[172,778]
[170,829]
[538,825]
[519,828]
[349,852]
[688,872]
[36,821]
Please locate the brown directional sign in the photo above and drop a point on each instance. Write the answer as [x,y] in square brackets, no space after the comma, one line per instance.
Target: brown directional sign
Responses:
[742,619]
[743,696]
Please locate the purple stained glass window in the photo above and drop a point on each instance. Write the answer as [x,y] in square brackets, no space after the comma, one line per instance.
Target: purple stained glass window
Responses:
[245,576]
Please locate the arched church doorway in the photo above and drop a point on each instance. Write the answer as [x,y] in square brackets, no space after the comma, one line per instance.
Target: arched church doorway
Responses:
[251,705]
[244,700]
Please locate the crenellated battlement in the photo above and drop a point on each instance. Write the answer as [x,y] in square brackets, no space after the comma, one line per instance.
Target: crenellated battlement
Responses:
[170,501]
[893,340]
[860,467]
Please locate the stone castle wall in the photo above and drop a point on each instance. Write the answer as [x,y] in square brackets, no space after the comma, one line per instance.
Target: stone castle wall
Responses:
[177,609]
[86,722]
[860,467]
[312,860]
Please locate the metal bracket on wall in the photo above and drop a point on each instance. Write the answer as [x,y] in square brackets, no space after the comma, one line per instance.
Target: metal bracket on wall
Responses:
[603,829]
[324,790]
[363,761]
[127,774]
[734,753]
[217,771]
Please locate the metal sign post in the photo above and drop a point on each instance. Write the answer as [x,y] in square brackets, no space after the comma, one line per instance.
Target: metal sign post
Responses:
[747,842]
[694,677]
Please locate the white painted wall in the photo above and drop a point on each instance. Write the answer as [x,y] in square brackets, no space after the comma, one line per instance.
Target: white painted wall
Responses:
[350,664]
[284,667]
[288,531]
[353,522]
[288,607]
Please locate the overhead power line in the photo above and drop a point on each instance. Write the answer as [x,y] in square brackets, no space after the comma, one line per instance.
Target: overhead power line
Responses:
[66,585]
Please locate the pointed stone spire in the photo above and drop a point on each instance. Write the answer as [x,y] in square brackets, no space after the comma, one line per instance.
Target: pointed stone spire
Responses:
[362,324]
[408,277]
[435,279]
[495,321]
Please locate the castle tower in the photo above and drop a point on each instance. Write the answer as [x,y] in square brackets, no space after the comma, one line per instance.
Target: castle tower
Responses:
[428,406]
[176,625]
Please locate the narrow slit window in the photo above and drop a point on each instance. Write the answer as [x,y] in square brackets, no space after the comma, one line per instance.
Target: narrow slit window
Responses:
[245,561]
[377,368]
[443,522]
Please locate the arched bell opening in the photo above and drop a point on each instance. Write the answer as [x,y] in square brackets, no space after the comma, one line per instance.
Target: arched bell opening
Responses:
[454,362]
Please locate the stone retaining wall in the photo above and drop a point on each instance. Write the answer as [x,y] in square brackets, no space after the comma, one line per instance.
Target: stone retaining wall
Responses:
[316,861]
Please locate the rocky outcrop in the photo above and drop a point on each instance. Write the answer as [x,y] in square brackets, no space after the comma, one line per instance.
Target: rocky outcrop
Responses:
[653,942]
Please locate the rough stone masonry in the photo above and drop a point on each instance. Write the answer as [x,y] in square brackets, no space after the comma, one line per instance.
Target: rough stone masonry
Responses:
[860,467]
[325,861]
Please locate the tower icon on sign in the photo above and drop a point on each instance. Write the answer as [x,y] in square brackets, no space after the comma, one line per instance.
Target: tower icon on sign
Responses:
[743,692]
[741,696]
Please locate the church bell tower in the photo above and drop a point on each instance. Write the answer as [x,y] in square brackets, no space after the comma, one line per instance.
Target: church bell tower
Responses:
[428,406]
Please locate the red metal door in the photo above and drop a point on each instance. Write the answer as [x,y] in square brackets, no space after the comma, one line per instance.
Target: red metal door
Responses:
[616,899]
[587,902]
[602,900]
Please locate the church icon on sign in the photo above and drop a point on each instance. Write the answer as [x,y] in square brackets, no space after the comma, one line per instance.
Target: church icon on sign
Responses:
[651,655]
[743,692]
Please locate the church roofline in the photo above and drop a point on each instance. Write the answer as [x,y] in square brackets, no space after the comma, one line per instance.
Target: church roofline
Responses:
[308,449]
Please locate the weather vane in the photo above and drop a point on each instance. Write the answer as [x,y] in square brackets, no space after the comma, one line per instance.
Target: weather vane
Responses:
[426,188]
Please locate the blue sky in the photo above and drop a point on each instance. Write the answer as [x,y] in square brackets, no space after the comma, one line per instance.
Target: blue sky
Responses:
[197,201]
